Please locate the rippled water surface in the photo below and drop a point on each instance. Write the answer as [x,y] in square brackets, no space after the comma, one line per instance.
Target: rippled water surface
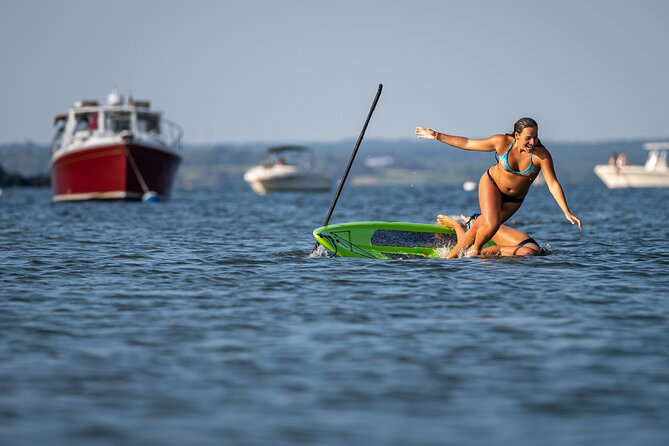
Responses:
[203,320]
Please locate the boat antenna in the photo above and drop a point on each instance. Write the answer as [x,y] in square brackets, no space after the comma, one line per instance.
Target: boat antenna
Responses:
[350,161]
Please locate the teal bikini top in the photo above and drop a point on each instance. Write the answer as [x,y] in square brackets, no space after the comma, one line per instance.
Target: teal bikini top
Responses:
[504,160]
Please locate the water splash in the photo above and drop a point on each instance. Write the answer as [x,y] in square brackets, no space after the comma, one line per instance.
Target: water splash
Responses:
[443,251]
[320,252]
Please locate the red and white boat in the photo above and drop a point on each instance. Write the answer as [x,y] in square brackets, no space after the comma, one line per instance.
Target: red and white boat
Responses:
[117,151]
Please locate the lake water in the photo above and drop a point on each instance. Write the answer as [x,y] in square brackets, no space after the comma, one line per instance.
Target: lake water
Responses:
[203,320]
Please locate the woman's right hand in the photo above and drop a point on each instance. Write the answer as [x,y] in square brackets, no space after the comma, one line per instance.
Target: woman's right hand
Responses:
[425,133]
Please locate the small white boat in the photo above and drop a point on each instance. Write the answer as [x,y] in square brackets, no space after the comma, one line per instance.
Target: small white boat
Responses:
[288,168]
[654,173]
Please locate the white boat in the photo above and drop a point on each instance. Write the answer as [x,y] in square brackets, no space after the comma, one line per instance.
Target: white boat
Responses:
[654,173]
[288,168]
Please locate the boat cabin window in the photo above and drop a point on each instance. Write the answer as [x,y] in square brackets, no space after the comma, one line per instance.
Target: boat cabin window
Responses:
[148,123]
[59,130]
[117,122]
[86,121]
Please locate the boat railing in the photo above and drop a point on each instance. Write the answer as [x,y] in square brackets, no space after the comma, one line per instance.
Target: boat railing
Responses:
[173,132]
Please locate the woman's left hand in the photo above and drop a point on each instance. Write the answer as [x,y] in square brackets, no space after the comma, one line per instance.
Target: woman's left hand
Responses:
[574,220]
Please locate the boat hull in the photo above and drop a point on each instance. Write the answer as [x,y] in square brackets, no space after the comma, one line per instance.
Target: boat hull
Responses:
[631,176]
[291,184]
[114,172]
[287,180]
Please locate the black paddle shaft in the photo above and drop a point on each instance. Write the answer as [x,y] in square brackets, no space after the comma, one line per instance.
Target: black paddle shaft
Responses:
[355,151]
[350,161]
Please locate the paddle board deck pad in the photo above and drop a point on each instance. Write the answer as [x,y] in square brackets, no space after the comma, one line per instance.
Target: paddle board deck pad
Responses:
[386,240]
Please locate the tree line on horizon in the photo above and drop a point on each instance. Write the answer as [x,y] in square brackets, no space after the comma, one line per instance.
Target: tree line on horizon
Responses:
[220,165]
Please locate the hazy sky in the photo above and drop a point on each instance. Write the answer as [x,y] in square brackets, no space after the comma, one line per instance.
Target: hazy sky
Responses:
[298,71]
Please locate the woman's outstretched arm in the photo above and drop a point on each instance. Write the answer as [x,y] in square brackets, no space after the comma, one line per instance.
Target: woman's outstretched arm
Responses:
[480,145]
[555,188]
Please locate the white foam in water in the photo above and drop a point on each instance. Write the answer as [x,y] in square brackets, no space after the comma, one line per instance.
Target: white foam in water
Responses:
[320,252]
[441,252]
[466,253]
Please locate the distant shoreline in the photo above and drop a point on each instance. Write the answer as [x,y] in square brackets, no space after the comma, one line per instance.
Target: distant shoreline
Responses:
[410,161]
[10,179]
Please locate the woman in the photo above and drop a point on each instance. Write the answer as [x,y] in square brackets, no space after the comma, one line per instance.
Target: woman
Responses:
[508,241]
[503,187]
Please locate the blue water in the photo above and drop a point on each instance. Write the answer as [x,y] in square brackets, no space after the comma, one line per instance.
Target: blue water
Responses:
[203,320]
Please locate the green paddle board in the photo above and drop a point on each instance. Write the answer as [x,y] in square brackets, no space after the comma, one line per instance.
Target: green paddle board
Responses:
[386,240]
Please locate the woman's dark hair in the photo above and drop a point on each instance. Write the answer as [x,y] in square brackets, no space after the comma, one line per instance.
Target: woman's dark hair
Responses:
[524,123]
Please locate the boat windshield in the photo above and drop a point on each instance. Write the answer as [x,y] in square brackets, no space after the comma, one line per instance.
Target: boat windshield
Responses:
[657,160]
[58,133]
[148,123]
[117,121]
[298,158]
